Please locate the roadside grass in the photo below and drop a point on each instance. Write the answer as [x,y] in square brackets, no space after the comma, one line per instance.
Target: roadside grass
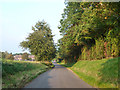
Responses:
[15,74]
[98,73]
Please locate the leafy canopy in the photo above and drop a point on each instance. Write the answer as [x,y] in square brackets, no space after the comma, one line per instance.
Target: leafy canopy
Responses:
[40,43]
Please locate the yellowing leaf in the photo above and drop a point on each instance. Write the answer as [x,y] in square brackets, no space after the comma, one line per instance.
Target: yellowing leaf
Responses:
[105,17]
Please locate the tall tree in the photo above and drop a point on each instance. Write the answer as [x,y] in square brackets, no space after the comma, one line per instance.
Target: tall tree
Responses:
[40,43]
[89,27]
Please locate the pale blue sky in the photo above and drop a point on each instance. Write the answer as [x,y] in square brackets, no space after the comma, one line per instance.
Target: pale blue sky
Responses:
[18,16]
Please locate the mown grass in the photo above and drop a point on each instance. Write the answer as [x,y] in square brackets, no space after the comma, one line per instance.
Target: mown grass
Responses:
[15,74]
[97,73]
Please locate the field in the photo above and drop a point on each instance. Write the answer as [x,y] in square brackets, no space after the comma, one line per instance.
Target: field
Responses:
[15,74]
[97,73]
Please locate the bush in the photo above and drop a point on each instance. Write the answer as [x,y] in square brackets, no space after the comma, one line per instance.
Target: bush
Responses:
[49,64]
[99,49]
[94,52]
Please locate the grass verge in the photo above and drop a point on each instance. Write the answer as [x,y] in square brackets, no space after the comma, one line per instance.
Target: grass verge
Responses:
[15,74]
[97,73]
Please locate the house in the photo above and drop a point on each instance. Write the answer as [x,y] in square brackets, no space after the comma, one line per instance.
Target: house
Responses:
[18,57]
[31,57]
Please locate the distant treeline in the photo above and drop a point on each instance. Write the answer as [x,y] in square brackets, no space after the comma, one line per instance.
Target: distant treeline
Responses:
[91,30]
[6,55]
[20,54]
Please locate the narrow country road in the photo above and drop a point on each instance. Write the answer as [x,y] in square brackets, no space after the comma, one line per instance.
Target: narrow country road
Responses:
[58,77]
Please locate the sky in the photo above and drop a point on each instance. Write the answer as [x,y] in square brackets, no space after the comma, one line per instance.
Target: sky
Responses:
[18,16]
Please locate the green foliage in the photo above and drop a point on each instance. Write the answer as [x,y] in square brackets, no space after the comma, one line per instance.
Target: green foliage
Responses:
[24,56]
[109,71]
[49,64]
[99,49]
[98,73]
[90,31]
[12,67]
[40,42]
[84,54]
[4,55]
[10,56]
[15,74]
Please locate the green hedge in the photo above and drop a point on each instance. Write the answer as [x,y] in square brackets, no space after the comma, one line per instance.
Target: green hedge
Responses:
[101,49]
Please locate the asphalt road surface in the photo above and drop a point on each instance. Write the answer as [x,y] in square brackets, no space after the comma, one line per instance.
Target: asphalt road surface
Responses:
[58,77]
